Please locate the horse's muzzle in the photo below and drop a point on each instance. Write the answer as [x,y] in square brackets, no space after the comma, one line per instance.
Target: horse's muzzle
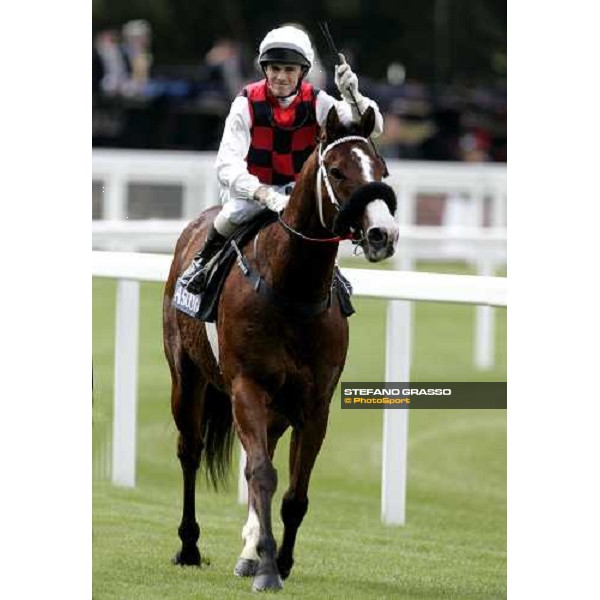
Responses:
[379,243]
[381,232]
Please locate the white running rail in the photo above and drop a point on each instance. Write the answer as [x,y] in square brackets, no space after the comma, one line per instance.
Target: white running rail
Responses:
[399,288]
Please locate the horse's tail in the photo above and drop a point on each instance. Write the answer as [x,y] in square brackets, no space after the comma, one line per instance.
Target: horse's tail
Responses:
[217,435]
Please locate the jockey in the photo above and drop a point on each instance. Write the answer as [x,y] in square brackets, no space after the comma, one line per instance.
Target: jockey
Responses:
[270,131]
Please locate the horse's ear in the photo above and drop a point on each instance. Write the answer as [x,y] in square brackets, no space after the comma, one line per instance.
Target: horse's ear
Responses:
[367,122]
[332,124]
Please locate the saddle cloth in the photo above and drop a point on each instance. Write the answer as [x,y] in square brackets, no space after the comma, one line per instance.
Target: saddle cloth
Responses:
[204,306]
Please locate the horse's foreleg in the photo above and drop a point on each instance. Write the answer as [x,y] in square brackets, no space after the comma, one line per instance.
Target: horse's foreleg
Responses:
[250,418]
[247,563]
[186,407]
[304,448]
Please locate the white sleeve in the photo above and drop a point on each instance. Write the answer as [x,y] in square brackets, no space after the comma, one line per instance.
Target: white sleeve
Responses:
[347,112]
[231,165]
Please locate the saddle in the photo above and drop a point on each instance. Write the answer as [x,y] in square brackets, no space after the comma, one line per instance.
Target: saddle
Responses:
[204,306]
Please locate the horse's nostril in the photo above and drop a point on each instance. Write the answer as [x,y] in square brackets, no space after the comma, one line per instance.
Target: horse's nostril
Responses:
[376,237]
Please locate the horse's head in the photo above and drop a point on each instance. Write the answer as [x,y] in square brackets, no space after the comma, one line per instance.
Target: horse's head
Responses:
[349,182]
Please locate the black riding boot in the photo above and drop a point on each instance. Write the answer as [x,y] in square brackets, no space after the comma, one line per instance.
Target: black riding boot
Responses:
[194,277]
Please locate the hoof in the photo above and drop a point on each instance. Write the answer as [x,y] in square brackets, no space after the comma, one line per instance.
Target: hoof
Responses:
[245,567]
[187,558]
[267,581]
[285,568]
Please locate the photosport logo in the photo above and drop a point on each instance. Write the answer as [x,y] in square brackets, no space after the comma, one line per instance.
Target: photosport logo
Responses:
[385,394]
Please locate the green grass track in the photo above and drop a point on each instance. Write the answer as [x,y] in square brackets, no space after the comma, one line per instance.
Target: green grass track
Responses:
[454,541]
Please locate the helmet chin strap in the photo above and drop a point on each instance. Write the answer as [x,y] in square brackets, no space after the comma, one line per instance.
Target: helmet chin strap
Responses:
[293,93]
[295,90]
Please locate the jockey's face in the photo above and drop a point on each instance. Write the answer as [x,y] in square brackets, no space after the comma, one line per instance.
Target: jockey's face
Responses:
[282,79]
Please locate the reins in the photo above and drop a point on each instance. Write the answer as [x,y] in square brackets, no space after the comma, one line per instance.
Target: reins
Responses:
[331,240]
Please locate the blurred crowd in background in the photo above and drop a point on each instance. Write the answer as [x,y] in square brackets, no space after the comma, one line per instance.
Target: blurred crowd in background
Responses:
[138,103]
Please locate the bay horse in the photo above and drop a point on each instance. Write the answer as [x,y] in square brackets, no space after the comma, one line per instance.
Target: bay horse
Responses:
[275,365]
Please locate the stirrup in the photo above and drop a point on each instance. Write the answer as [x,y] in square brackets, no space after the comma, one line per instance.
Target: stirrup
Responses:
[198,280]
[190,271]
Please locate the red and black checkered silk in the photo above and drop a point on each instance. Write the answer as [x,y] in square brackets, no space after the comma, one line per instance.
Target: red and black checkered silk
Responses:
[282,138]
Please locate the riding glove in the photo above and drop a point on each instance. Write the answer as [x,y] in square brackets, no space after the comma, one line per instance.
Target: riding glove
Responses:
[273,200]
[346,80]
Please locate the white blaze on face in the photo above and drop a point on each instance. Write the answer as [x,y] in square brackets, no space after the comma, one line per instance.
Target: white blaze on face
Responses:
[366,165]
[250,535]
[378,214]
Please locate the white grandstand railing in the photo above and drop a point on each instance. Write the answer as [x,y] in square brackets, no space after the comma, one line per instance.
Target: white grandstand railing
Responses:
[399,288]
[195,172]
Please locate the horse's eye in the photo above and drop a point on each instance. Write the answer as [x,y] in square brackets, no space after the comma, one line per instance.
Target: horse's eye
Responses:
[336,174]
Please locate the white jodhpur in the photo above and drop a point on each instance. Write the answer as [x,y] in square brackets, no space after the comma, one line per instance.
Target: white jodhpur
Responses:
[235,213]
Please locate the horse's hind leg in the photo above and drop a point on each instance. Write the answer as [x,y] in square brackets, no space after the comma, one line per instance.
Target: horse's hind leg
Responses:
[304,448]
[187,396]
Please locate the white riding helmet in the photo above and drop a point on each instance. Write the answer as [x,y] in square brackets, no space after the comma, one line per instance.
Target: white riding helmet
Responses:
[286,44]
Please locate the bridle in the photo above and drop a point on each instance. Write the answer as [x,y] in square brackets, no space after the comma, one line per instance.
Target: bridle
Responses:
[323,177]
[322,173]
